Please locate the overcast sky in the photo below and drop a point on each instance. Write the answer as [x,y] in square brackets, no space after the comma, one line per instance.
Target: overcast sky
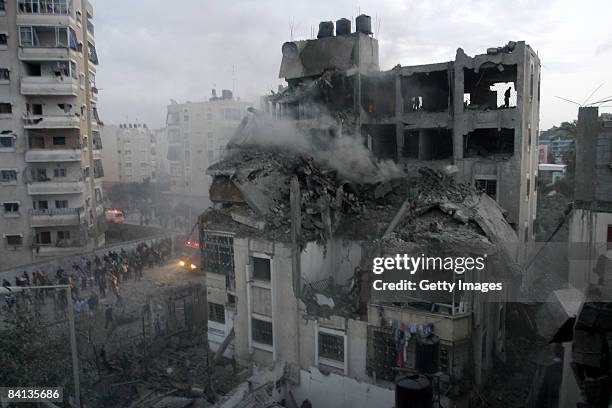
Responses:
[153,51]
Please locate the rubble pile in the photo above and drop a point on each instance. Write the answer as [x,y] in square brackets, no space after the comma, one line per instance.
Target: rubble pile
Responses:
[330,203]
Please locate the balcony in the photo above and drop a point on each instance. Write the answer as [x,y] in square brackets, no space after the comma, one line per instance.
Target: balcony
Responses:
[56,187]
[52,122]
[46,54]
[50,85]
[57,217]
[52,155]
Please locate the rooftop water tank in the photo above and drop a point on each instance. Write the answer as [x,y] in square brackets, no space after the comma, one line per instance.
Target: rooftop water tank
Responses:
[363,24]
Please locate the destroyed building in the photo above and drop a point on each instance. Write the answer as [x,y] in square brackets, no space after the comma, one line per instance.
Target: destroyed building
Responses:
[287,246]
[478,113]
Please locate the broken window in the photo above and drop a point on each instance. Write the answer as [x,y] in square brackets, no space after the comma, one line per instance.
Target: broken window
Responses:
[218,253]
[216,312]
[262,331]
[5,74]
[11,207]
[431,144]
[410,149]
[382,140]
[378,95]
[331,347]
[487,186]
[426,91]
[492,87]
[489,142]
[14,240]
[261,269]
[98,169]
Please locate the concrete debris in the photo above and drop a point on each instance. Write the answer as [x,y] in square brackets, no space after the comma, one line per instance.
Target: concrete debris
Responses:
[323,300]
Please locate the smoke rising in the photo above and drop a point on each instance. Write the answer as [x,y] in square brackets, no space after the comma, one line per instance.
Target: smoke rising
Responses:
[345,152]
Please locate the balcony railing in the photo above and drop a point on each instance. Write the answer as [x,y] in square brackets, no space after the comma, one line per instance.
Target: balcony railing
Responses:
[52,121]
[90,27]
[44,7]
[56,211]
[55,186]
[50,85]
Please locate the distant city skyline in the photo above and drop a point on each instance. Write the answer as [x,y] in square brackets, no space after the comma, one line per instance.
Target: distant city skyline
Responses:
[151,53]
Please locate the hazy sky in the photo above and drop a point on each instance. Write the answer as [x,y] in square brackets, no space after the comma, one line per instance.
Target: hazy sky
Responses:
[153,51]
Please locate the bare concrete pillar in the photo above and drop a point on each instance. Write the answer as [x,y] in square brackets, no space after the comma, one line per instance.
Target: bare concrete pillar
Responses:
[399,109]
[457,82]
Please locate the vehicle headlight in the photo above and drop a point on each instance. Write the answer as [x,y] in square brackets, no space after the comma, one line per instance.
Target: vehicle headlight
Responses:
[193,266]
[182,263]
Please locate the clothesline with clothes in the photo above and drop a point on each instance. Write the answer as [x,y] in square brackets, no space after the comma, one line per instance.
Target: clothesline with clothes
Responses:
[404,332]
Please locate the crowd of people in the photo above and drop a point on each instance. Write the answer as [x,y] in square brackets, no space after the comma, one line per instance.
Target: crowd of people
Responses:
[91,279]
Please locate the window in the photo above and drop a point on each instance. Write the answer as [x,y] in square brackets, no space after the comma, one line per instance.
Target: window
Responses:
[14,240]
[7,141]
[210,135]
[216,312]
[128,165]
[218,253]
[59,172]
[609,239]
[7,176]
[262,331]
[261,269]
[211,155]
[331,347]
[209,116]
[59,140]
[3,39]
[26,36]
[2,5]
[6,108]
[5,74]
[43,238]
[186,118]
[11,207]
[487,186]
[63,235]
[61,203]
[43,6]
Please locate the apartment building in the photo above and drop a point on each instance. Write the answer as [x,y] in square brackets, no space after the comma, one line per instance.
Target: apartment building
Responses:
[130,153]
[590,224]
[289,243]
[50,163]
[479,114]
[196,136]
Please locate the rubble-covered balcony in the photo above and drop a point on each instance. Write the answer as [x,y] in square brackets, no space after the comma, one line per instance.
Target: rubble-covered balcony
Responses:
[56,217]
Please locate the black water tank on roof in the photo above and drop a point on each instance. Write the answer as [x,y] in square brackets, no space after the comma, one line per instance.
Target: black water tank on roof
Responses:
[428,354]
[343,26]
[326,29]
[413,391]
[363,24]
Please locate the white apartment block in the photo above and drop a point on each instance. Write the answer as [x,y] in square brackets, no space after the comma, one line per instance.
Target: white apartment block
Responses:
[196,136]
[50,163]
[130,153]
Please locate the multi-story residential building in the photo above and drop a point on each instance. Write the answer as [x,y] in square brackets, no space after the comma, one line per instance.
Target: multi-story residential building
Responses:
[590,225]
[130,154]
[480,114]
[288,247]
[50,165]
[196,136]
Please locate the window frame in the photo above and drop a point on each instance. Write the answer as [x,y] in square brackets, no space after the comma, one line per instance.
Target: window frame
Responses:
[15,245]
[328,361]
[256,343]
